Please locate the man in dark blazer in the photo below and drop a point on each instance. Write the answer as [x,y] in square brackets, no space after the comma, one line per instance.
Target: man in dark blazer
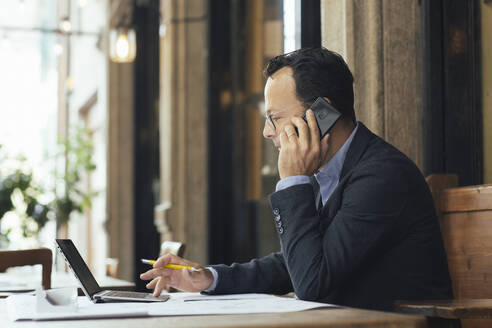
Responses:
[355,217]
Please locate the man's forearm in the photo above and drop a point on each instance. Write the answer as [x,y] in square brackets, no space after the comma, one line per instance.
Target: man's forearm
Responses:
[264,275]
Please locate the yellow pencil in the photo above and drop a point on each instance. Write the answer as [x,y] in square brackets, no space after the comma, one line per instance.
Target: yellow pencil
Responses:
[171,266]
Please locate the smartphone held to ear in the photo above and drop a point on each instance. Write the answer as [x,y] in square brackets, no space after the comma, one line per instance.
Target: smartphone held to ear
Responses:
[326,115]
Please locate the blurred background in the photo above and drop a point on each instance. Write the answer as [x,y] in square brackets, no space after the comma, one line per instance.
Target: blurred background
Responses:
[127,123]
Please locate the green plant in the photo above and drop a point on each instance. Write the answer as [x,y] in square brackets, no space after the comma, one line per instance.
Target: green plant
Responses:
[19,193]
[76,151]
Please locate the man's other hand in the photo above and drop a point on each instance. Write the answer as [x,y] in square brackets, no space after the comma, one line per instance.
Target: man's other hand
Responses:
[301,154]
[185,280]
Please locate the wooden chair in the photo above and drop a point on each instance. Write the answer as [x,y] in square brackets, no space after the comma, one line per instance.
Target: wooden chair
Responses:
[465,215]
[41,256]
[173,247]
[437,183]
[112,267]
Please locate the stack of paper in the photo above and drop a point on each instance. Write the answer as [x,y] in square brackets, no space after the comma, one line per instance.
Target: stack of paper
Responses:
[23,307]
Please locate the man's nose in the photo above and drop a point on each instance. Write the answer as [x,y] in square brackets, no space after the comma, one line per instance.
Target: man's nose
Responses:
[268,131]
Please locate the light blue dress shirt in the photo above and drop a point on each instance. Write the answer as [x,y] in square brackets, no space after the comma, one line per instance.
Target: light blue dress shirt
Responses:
[327,178]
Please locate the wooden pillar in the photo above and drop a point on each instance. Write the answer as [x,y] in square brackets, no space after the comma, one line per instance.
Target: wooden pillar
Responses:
[182,214]
[402,53]
[119,193]
[486,22]
[254,89]
[380,40]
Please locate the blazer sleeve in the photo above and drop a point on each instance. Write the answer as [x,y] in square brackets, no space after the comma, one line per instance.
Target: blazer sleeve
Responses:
[264,275]
[318,261]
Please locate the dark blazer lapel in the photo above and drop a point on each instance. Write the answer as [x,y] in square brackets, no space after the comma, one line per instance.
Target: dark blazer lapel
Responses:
[317,193]
[358,146]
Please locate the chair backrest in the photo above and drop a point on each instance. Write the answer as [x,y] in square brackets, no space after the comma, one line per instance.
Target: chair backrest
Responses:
[465,215]
[466,225]
[437,183]
[41,256]
[173,247]
[112,267]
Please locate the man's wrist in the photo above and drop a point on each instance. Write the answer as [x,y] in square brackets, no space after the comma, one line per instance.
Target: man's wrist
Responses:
[215,276]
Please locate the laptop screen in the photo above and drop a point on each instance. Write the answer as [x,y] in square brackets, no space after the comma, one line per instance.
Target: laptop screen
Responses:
[78,266]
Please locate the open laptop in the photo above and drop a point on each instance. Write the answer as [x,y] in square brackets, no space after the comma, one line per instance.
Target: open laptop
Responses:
[89,284]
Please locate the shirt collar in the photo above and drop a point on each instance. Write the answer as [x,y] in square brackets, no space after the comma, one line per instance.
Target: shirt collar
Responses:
[334,167]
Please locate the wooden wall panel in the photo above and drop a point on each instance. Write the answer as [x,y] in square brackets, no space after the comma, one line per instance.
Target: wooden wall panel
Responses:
[380,41]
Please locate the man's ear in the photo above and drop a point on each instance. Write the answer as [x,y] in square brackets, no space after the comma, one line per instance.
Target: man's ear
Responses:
[327,99]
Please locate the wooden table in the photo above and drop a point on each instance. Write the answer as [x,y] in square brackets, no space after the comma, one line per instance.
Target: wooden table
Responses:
[330,317]
[450,309]
[451,313]
[19,282]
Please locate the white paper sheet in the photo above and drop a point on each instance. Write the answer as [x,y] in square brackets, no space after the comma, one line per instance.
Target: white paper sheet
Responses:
[230,304]
[23,307]
[188,297]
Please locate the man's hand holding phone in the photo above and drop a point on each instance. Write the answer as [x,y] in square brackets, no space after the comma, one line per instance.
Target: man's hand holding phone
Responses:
[301,154]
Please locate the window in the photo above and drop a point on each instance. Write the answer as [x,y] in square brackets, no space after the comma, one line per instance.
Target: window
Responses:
[52,82]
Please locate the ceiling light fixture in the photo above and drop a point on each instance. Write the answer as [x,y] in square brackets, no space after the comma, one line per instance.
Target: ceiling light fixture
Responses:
[123,45]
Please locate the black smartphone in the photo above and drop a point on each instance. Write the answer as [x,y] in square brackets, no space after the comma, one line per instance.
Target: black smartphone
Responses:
[326,115]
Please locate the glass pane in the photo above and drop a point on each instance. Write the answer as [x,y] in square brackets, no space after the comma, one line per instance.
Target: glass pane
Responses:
[51,83]
[29,96]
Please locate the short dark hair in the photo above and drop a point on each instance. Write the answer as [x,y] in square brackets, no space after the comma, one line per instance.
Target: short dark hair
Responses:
[318,72]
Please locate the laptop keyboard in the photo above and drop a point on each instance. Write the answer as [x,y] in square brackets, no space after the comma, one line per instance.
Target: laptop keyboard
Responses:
[116,293]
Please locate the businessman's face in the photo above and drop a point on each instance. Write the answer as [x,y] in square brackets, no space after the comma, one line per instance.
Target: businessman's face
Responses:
[281,103]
